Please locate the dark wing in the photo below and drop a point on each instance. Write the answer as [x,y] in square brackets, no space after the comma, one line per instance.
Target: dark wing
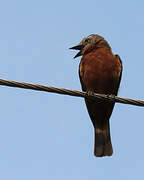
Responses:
[81,81]
[120,69]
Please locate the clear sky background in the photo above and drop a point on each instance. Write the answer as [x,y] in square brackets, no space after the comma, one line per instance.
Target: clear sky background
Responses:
[49,136]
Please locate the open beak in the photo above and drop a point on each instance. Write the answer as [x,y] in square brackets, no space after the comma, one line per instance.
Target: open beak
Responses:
[78,47]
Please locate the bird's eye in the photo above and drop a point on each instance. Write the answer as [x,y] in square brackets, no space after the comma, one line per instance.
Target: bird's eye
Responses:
[87,40]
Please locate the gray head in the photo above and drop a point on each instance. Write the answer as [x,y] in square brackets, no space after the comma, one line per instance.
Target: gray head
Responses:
[90,42]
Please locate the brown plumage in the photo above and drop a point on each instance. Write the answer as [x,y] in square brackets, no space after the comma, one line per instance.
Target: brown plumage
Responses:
[99,71]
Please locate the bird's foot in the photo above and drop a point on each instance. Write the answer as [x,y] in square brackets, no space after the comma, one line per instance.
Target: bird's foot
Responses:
[111,97]
[89,93]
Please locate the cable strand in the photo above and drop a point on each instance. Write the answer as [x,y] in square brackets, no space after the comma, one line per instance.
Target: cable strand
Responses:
[76,93]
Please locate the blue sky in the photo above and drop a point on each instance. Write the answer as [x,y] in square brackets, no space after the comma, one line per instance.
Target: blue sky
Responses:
[50,136]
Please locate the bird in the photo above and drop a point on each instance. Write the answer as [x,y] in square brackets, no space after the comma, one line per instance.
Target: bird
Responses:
[100,71]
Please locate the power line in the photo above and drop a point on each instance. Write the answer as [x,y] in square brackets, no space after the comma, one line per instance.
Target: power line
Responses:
[94,96]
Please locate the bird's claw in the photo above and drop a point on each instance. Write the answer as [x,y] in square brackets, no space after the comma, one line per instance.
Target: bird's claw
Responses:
[111,97]
[89,93]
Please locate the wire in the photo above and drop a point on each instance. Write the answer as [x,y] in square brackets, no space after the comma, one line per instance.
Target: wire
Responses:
[93,96]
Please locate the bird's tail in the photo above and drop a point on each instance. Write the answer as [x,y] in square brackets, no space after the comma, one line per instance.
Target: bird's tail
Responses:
[103,146]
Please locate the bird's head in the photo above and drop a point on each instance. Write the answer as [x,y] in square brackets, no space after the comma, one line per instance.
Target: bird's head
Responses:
[89,43]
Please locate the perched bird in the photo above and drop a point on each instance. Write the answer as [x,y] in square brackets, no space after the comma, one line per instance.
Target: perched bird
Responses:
[100,72]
